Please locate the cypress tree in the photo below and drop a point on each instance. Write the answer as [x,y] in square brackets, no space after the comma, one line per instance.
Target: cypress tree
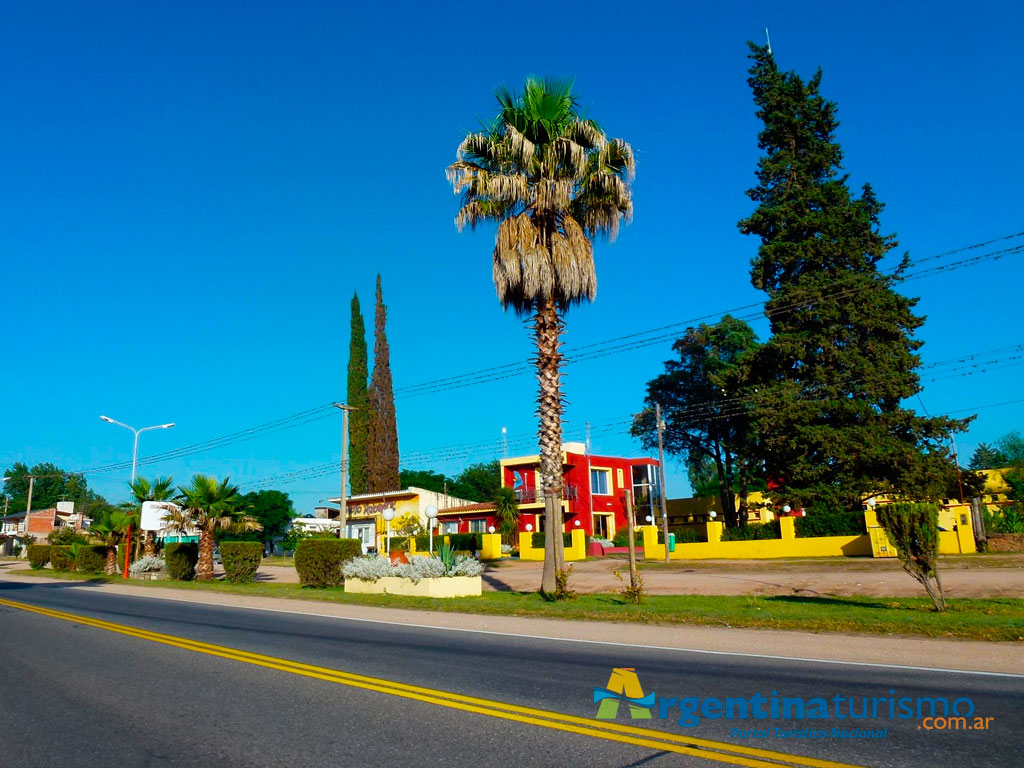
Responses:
[842,356]
[382,438]
[358,398]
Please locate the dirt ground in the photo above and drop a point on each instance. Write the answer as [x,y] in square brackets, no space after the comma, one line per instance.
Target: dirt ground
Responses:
[998,575]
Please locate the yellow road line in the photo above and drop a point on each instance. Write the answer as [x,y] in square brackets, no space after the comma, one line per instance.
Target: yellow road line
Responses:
[644,737]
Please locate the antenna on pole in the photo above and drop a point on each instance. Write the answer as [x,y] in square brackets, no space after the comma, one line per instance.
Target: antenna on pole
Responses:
[769,39]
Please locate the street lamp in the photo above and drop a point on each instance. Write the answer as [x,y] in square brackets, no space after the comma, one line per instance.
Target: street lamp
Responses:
[431,513]
[137,432]
[388,515]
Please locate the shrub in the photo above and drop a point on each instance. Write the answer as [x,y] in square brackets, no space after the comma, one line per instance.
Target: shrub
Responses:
[61,558]
[66,536]
[633,592]
[538,540]
[914,530]
[683,535]
[181,558]
[830,524]
[621,538]
[370,567]
[319,561]
[421,568]
[241,559]
[147,564]
[90,558]
[562,589]
[465,542]
[753,532]
[38,555]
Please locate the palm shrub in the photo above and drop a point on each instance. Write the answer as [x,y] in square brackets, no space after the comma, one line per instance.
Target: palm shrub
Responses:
[209,506]
[181,559]
[241,559]
[551,181]
[319,561]
[110,533]
[38,556]
[61,557]
[913,528]
[506,509]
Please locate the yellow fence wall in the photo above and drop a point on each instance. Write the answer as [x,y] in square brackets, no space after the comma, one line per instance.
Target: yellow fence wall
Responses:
[578,550]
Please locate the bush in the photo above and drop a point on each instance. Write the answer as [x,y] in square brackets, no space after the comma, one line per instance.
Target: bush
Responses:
[465,542]
[61,558]
[830,524]
[147,564]
[370,567]
[914,530]
[181,558]
[621,538]
[90,558]
[683,534]
[66,536]
[319,561]
[538,540]
[753,532]
[241,559]
[38,555]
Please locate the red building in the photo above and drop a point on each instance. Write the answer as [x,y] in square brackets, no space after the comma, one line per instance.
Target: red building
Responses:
[592,494]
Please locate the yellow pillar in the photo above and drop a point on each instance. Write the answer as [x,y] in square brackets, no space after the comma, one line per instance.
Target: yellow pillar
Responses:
[787,527]
[490,546]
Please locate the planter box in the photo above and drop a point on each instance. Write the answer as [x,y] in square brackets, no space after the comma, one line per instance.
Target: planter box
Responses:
[449,586]
[149,576]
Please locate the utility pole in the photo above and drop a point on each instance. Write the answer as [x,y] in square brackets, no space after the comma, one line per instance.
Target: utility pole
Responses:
[28,507]
[342,511]
[661,477]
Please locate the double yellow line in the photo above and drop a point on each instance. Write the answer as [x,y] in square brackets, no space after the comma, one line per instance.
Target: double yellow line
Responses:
[719,751]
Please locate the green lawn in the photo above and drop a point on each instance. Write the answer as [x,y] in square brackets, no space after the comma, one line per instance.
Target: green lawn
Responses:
[976,619]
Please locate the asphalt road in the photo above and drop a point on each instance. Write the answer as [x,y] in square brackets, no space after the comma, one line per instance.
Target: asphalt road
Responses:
[87,696]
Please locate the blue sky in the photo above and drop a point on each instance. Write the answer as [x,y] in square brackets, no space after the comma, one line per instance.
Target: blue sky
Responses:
[193,191]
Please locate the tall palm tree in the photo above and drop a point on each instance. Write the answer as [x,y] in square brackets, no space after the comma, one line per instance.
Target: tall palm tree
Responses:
[110,532]
[160,489]
[209,506]
[551,181]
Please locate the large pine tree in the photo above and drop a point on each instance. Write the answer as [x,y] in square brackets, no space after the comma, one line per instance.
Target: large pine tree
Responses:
[382,436]
[358,398]
[842,357]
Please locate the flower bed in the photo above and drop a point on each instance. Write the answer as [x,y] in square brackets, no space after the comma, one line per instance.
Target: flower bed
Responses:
[450,575]
[444,586]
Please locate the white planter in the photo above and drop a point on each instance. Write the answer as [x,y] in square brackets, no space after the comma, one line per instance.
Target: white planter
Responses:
[448,586]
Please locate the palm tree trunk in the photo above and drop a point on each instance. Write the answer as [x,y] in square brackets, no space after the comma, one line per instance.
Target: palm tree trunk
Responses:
[204,568]
[111,567]
[547,329]
[149,547]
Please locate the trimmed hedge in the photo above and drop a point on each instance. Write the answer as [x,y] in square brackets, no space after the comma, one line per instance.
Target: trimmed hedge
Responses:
[181,558]
[61,558]
[539,540]
[90,558]
[38,556]
[621,538]
[683,535]
[830,524]
[241,559]
[753,532]
[319,561]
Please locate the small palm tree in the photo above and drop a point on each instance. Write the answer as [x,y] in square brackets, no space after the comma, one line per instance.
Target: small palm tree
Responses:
[551,181]
[110,532]
[506,509]
[160,489]
[209,506]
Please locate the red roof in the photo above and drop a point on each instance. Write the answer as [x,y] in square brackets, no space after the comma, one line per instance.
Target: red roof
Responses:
[481,507]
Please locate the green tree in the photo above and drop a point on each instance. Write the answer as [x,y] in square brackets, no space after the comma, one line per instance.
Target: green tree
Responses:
[506,509]
[479,482]
[52,484]
[551,181]
[382,430]
[1011,446]
[986,456]
[159,489]
[703,398]
[914,530]
[842,356]
[273,510]
[359,400]
[208,506]
[110,533]
[424,478]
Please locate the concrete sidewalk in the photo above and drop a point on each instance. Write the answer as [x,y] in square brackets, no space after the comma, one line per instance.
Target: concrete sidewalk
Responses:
[1007,658]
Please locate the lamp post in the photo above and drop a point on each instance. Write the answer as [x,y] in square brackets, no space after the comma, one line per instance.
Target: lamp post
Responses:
[431,513]
[388,515]
[137,432]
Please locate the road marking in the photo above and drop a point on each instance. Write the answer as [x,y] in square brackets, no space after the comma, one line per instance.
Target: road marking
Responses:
[707,749]
[703,651]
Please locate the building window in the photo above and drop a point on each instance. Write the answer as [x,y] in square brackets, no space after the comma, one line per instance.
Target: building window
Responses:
[478,526]
[449,527]
[600,479]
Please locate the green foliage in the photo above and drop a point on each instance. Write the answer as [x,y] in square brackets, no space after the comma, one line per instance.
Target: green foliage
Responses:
[181,559]
[820,523]
[359,400]
[38,556]
[633,592]
[271,509]
[753,532]
[477,482]
[842,357]
[446,553]
[538,539]
[704,423]
[66,536]
[61,557]
[621,538]
[241,559]
[319,561]
[1003,520]
[913,528]
[684,535]
[382,430]
[465,542]
[562,589]
[506,509]
[986,456]
[90,558]
[52,484]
